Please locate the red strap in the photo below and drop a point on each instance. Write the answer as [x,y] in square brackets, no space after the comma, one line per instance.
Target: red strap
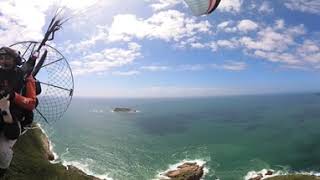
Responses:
[27,102]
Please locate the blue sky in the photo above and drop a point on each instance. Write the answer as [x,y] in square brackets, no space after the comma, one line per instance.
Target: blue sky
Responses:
[157,48]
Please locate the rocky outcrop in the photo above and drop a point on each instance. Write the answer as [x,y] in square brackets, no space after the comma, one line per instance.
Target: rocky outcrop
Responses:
[46,145]
[78,171]
[186,171]
[260,175]
[122,109]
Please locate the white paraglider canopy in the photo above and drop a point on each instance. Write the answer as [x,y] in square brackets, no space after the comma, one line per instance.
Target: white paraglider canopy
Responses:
[201,7]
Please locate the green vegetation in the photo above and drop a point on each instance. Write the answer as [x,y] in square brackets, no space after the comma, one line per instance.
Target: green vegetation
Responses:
[30,162]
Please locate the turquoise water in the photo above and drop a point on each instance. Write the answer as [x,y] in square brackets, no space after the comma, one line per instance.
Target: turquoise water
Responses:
[233,135]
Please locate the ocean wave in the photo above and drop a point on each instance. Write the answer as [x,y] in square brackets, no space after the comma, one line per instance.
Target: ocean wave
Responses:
[51,145]
[84,167]
[200,162]
[253,174]
[80,165]
[132,111]
[96,111]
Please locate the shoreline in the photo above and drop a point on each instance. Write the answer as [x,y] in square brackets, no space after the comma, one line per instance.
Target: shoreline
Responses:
[31,160]
[75,165]
[278,175]
[83,169]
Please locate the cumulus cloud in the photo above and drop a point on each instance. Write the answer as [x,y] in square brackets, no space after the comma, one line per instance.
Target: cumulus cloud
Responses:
[106,59]
[230,6]
[233,43]
[158,5]
[278,42]
[281,44]
[165,25]
[247,25]
[224,24]
[265,7]
[308,6]
[23,20]
[244,25]
[271,39]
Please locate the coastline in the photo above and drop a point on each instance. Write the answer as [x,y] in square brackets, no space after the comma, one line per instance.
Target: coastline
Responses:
[31,160]
[281,175]
[67,170]
[74,165]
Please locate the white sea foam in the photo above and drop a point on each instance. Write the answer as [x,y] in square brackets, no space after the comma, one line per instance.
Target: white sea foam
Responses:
[312,173]
[132,111]
[172,167]
[84,166]
[51,145]
[97,111]
[253,174]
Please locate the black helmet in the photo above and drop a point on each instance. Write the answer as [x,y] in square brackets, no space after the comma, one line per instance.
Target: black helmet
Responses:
[6,52]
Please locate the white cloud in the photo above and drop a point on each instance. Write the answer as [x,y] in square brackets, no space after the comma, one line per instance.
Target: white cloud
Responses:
[198,45]
[164,4]
[228,65]
[23,20]
[155,68]
[230,6]
[244,25]
[282,57]
[231,66]
[165,25]
[170,25]
[309,6]
[247,25]
[279,24]
[106,59]
[191,67]
[282,45]
[270,39]
[265,7]
[224,24]
[233,43]
[125,73]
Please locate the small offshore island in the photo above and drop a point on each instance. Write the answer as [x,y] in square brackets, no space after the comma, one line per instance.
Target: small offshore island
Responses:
[124,109]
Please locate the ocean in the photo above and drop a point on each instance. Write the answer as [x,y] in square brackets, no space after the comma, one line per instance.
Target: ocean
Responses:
[233,136]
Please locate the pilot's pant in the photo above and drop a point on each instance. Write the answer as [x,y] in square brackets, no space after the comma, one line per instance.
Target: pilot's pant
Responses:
[6,152]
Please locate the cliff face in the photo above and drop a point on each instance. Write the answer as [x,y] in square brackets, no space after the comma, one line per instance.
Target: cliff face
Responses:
[30,161]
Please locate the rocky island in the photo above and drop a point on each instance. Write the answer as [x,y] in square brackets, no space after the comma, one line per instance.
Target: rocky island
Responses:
[31,161]
[123,109]
[186,171]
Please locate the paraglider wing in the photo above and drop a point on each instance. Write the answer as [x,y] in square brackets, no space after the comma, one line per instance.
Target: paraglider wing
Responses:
[201,7]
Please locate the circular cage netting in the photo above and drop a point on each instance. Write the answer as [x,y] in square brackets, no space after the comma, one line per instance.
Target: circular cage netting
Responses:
[55,77]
